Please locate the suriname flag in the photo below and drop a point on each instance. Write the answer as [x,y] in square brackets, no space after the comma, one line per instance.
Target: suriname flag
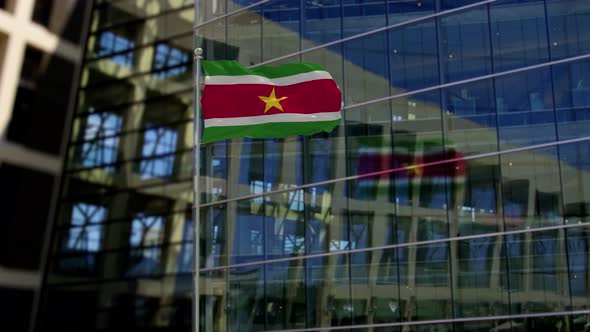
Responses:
[268,102]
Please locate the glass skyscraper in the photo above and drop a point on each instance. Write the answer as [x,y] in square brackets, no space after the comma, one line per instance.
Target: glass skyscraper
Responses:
[472,118]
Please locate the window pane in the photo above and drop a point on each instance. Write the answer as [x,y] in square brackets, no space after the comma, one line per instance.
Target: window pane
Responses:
[519,34]
[465,42]
[568,19]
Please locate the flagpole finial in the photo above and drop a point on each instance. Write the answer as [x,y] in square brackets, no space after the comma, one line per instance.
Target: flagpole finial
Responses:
[198,53]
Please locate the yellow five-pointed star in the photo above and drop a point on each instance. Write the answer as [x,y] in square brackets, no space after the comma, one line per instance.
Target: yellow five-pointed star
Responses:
[272,101]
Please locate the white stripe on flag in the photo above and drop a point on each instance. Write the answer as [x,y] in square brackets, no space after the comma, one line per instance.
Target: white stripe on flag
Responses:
[255,79]
[284,117]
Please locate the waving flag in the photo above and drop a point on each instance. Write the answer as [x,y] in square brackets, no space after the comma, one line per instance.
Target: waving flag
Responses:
[268,102]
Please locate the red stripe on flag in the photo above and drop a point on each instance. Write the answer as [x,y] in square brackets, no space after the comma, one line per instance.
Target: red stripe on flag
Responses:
[241,100]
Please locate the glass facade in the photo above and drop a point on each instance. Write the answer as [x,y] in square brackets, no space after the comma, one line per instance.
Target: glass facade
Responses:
[479,109]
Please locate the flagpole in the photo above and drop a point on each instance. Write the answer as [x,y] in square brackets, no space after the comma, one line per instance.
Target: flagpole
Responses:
[196,190]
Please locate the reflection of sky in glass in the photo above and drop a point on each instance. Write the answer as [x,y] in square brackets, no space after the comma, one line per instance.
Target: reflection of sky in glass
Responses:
[96,150]
[158,141]
[146,231]
[111,43]
[169,57]
[85,233]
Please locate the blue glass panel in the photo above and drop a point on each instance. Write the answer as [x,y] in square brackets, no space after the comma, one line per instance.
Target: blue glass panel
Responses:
[111,43]
[471,118]
[526,115]
[452,4]
[158,147]
[100,146]
[83,238]
[86,233]
[404,10]
[572,99]
[366,62]
[321,22]
[569,22]
[169,61]
[146,235]
[519,34]
[465,44]
[362,15]
[414,57]
[280,28]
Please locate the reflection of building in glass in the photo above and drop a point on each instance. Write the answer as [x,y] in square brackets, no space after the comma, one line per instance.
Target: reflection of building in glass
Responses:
[40,57]
[476,241]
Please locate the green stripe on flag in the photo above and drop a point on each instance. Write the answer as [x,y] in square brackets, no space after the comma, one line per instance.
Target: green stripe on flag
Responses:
[268,130]
[234,68]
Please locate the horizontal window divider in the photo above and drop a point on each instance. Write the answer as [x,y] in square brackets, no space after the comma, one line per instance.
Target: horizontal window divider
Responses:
[95,281]
[139,74]
[61,253]
[114,107]
[127,161]
[123,220]
[395,246]
[128,132]
[137,47]
[441,321]
[139,20]
[113,190]
[398,169]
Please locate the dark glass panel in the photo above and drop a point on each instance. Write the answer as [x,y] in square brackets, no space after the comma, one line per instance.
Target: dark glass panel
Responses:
[478,271]
[575,164]
[476,198]
[427,295]
[214,41]
[369,150]
[328,291]
[375,274]
[246,308]
[38,116]
[531,189]
[578,250]
[285,295]
[465,44]
[16,305]
[26,205]
[537,272]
